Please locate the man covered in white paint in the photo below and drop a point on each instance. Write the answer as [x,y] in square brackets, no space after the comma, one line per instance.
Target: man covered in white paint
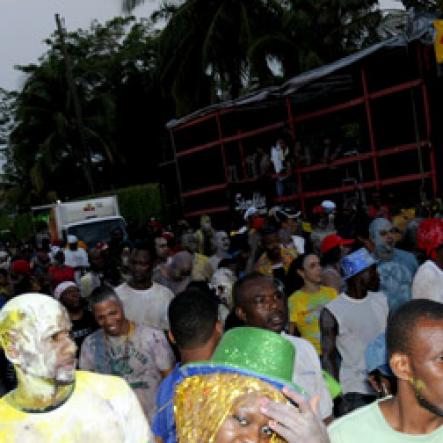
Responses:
[53,402]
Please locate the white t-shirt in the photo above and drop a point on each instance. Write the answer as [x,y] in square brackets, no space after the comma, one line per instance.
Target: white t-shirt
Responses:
[278,157]
[77,258]
[428,282]
[307,373]
[102,408]
[146,306]
[359,322]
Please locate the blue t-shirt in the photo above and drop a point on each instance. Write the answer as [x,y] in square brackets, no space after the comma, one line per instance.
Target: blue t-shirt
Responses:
[163,423]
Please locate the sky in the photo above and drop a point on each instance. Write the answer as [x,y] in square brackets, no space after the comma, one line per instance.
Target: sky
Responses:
[24,24]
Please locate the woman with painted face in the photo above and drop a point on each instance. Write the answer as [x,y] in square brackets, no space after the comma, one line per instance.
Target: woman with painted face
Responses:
[306,302]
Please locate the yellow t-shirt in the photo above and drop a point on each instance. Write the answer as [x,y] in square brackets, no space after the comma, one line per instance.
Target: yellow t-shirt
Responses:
[264,265]
[304,312]
[102,409]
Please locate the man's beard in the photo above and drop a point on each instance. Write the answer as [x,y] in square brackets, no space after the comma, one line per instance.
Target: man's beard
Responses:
[433,409]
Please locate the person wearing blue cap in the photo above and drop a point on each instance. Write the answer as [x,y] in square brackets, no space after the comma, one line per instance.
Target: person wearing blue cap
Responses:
[348,324]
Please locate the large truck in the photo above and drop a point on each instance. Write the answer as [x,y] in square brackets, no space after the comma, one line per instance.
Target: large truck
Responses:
[91,220]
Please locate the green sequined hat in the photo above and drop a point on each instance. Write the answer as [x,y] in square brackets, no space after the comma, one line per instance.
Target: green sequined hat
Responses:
[253,352]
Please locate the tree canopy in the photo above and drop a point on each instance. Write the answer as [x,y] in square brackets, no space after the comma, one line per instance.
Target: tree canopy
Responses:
[131,78]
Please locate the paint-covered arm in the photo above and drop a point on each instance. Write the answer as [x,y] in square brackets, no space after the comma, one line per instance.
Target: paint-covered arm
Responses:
[329,332]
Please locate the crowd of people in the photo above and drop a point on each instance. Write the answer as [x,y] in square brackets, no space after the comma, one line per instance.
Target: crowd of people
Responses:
[278,330]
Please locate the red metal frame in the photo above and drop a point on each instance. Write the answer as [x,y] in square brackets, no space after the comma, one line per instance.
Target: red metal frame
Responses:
[298,169]
[208,211]
[292,120]
[242,154]
[372,140]
[222,145]
[204,190]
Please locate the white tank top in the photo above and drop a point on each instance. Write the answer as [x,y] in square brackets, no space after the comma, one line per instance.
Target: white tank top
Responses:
[359,322]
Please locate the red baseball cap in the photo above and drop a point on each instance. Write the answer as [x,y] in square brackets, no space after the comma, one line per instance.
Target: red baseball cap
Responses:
[21,267]
[332,241]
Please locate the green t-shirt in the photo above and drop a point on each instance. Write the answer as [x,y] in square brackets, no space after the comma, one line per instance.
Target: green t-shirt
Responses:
[368,425]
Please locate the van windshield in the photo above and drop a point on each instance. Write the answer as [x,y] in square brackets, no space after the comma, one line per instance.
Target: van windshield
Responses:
[97,231]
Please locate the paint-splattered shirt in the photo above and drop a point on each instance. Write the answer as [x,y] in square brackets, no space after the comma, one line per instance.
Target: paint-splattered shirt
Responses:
[304,312]
[396,277]
[138,358]
[101,409]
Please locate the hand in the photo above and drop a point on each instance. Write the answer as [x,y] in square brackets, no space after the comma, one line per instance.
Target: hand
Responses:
[300,425]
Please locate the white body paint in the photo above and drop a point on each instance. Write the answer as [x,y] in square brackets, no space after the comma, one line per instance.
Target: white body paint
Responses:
[101,409]
[40,318]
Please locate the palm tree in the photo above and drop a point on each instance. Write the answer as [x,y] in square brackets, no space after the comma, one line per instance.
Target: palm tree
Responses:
[424,5]
[217,49]
[114,69]
[129,5]
[204,48]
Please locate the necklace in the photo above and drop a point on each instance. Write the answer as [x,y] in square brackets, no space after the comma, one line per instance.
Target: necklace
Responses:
[10,398]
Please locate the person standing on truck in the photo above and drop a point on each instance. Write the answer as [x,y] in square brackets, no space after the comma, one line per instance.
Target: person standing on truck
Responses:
[76,257]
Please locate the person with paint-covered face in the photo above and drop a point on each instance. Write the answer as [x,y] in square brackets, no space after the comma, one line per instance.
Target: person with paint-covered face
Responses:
[221,243]
[176,273]
[201,268]
[395,267]
[53,402]
[414,339]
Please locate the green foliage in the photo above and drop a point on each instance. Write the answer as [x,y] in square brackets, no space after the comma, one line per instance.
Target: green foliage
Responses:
[115,70]
[424,5]
[139,203]
[226,44]
[131,79]
[19,226]
[23,226]
[129,5]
